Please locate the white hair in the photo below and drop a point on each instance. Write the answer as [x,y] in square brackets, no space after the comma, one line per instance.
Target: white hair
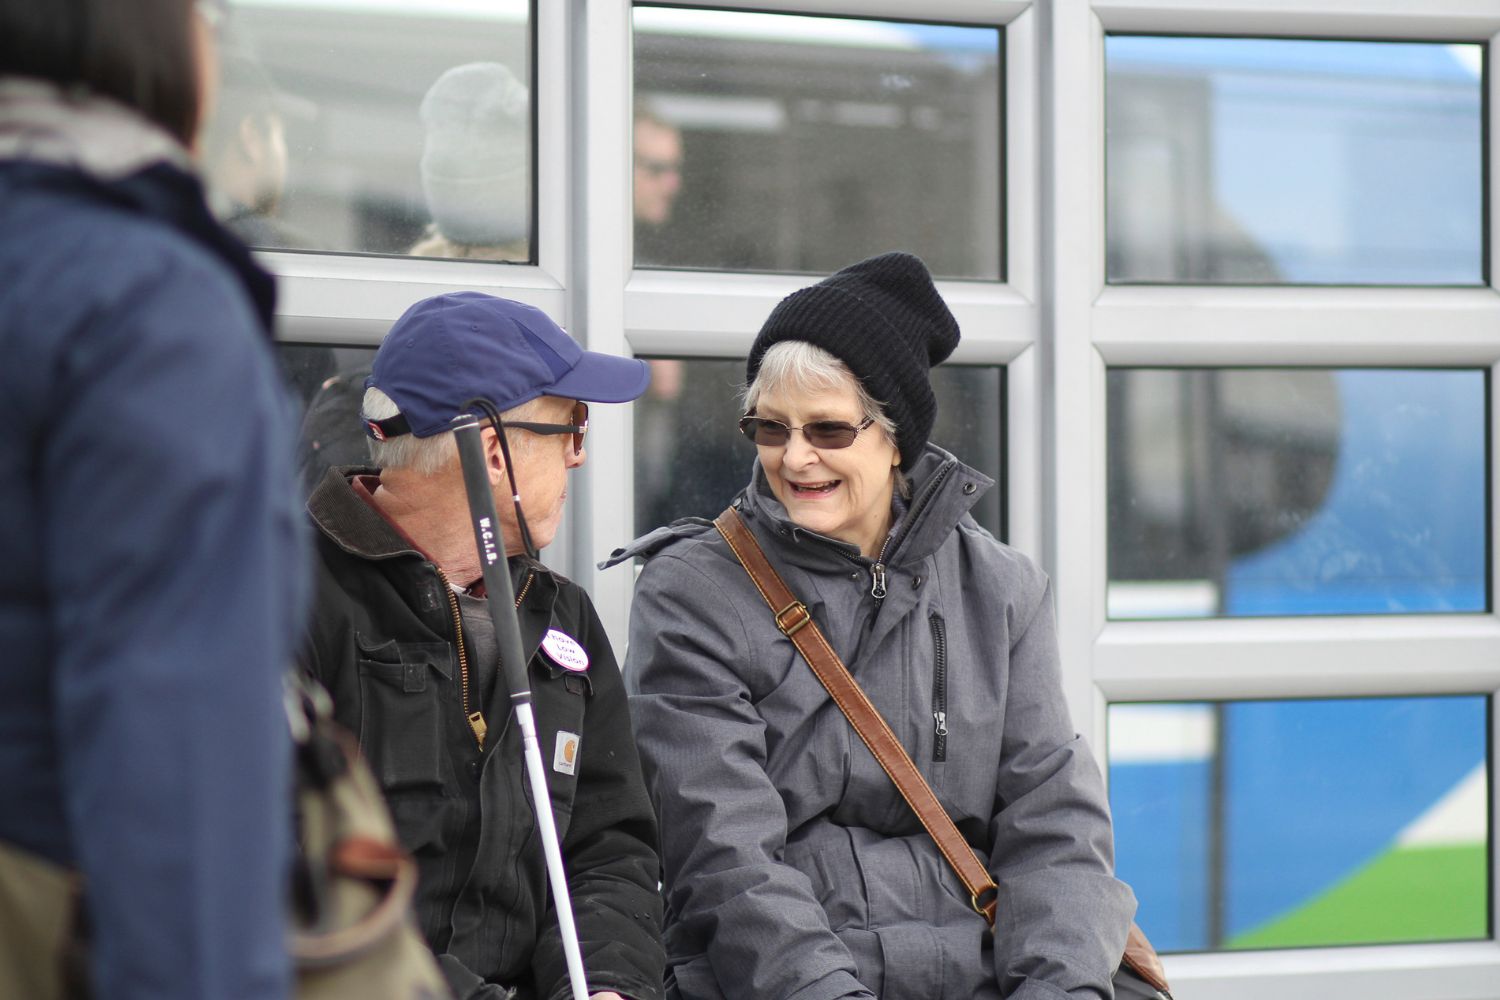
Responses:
[800,367]
[427,456]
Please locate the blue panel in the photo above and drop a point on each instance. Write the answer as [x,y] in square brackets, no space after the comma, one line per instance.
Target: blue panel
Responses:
[1295,161]
[1403,527]
[1161,846]
[1317,788]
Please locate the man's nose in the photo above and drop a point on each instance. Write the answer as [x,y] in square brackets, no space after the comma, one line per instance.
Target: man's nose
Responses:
[575,458]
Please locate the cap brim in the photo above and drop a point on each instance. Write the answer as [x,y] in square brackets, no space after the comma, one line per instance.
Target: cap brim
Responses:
[603,378]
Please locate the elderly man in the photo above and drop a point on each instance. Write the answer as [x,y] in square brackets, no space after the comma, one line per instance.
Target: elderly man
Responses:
[403,640]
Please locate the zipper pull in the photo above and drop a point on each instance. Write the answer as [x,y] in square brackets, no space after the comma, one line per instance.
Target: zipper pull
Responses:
[877,587]
[940,723]
[939,736]
[477,723]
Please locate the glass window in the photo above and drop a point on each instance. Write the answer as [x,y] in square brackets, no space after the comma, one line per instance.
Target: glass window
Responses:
[373,126]
[691,460]
[329,383]
[1296,492]
[1271,824]
[1284,161]
[773,142]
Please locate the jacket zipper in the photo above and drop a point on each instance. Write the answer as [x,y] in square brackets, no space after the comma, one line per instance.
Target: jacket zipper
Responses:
[939,688]
[477,725]
[877,571]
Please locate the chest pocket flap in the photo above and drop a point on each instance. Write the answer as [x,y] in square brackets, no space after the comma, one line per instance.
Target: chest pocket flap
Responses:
[402,689]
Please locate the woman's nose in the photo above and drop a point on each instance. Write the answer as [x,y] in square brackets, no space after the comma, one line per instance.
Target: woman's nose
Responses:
[799,453]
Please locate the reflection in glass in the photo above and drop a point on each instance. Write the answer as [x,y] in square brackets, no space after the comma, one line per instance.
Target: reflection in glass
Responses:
[691,460]
[1269,161]
[772,142]
[329,383]
[376,127]
[1270,824]
[1296,492]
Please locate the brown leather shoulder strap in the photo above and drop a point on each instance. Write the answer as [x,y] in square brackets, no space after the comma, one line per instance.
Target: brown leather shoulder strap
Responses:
[793,619]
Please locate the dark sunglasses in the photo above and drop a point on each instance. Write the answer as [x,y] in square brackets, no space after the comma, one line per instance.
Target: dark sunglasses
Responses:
[578,428]
[819,433]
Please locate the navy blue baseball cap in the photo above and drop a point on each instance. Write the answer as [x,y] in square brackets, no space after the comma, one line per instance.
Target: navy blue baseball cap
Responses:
[449,349]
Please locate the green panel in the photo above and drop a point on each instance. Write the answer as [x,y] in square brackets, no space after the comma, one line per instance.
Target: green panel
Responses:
[1407,894]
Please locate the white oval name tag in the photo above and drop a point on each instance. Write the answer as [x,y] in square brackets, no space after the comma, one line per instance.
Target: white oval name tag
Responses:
[565,651]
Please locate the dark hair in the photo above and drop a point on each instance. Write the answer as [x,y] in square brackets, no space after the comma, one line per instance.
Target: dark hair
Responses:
[137,52]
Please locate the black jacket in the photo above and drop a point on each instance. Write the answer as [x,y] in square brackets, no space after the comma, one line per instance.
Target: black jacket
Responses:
[383,643]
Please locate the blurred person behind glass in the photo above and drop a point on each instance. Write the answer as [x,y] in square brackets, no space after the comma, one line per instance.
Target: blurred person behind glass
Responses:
[151,562]
[657,180]
[245,153]
[476,165]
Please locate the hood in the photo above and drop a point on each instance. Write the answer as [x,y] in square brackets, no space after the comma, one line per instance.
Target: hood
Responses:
[944,490]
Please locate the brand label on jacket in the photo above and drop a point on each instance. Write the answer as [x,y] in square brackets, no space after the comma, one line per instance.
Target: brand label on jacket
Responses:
[565,753]
[565,651]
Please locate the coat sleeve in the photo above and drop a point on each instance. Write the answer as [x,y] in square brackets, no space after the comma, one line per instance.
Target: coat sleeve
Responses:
[175,577]
[1062,915]
[610,849]
[743,923]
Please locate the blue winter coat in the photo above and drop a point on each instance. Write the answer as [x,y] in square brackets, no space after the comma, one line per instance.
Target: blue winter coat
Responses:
[151,571]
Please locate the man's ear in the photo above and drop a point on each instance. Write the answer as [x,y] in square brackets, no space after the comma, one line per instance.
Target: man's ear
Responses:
[494,458]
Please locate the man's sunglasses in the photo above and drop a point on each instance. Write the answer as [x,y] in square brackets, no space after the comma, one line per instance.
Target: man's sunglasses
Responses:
[819,433]
[578,428]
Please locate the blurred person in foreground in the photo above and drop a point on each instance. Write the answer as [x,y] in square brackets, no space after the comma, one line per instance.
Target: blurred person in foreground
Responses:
[793,867]
[403,639]
[151,559]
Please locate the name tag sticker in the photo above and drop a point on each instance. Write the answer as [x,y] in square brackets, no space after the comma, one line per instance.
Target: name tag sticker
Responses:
[565,753]
[565,651]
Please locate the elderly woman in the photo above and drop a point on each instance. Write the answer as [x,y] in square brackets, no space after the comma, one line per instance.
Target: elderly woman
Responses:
[794,869]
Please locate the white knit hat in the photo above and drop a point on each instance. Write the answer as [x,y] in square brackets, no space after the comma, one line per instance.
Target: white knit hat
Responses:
[476,161]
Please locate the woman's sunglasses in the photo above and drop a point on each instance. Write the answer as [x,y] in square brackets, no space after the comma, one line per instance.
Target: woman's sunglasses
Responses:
[578,428]
[819,433]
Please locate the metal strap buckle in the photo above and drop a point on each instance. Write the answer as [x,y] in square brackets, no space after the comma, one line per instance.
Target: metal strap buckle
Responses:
[790,630]
[982,908]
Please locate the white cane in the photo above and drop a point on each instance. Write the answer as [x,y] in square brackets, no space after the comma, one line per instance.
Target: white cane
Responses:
[501,602]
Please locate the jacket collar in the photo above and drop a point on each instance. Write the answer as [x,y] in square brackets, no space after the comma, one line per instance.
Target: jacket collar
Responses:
[90,145]
[42,123]
[943,492]
[354,526]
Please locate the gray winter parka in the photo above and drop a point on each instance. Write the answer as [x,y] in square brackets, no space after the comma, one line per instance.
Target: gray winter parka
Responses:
[793,867]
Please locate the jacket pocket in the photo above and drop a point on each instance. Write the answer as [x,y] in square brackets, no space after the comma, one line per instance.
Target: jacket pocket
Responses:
[939,687]
[401,687]
[561,699]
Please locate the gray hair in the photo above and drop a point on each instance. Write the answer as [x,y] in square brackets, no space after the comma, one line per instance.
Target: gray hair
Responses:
[425,456]
[798,366]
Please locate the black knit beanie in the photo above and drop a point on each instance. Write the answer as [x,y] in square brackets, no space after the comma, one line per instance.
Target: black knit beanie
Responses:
[884,319]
